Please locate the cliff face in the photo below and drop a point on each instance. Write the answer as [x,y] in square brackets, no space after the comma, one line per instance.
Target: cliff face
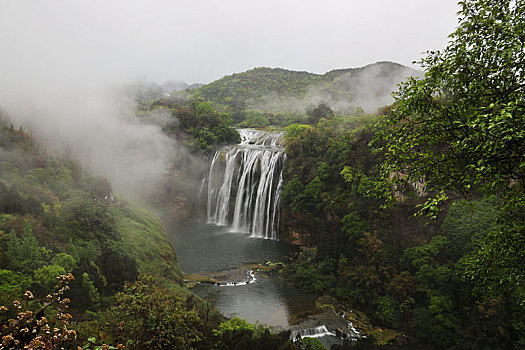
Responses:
[177,206]
[178,194]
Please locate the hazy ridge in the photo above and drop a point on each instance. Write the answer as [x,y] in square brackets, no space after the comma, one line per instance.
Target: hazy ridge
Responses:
[278,89]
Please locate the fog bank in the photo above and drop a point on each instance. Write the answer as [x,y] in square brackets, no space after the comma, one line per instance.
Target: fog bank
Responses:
[96,125]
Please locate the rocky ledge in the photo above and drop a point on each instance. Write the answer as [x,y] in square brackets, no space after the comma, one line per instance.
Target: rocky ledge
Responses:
[234,277]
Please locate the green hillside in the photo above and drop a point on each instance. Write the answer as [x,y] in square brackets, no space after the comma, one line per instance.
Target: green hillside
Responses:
[280,90]
[259,82]
[57,218]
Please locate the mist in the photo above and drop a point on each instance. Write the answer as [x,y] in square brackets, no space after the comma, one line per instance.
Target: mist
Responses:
[96,125]
[64,63]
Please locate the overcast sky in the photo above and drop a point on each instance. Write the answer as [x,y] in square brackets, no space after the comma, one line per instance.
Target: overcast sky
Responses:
[60,60]
[203,40]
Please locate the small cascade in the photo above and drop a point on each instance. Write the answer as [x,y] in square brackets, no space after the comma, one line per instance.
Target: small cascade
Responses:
[317,332]
[353,333]
[331,325]
[244,184]
[201,188]
[250,279]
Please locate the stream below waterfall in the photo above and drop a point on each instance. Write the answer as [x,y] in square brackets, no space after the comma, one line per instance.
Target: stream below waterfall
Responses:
[205,247]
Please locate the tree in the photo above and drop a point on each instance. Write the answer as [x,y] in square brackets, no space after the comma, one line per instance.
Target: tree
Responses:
[460,129]
[312,344]
[87,217]
[23,253]
[154,317]
[238,334]
[233,325]
[64,260]
[254,119]
[99,186]
[317,113]
[12,285]
[388,310]
[118,267]
[201,127]
[46,276]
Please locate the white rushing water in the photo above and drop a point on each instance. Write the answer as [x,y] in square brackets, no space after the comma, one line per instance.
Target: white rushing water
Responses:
[317,332]
[244,184]
[251,279]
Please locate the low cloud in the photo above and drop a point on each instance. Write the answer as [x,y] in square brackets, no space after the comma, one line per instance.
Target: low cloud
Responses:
[97,125]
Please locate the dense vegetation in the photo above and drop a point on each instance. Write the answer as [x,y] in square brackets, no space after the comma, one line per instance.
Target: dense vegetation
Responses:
[415,216]
[461,131]
[58,218]
[254,85]
[146,314]
[451,147]
[193,122]
[282,96]
[80,267]
[154,317]
[270,96]
[401,272]
[258,82]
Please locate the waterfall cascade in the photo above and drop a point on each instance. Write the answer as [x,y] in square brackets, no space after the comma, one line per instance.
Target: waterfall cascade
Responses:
[244,184]
[317,332]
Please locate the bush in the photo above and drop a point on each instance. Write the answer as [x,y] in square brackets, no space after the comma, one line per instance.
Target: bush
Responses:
[44,329]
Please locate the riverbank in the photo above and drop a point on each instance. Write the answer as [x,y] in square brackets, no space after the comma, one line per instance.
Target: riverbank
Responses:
[325,318]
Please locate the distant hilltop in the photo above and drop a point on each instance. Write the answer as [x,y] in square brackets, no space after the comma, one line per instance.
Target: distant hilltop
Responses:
[282,90]
[277,89]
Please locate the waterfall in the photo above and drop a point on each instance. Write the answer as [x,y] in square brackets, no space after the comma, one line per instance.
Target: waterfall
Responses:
[317,332]
[244,184]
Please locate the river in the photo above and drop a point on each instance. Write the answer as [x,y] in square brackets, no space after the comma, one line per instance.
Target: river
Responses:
[205,247]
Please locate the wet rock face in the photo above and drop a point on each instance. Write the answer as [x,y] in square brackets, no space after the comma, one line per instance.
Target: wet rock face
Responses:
[177,207]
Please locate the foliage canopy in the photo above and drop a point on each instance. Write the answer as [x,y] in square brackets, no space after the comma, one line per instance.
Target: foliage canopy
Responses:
[460,129]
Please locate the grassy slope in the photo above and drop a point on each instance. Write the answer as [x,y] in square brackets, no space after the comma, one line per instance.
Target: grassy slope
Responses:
[142,236]
[140,232]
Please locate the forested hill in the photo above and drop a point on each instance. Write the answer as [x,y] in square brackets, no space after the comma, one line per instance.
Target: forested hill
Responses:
[57,217]
[277,89]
